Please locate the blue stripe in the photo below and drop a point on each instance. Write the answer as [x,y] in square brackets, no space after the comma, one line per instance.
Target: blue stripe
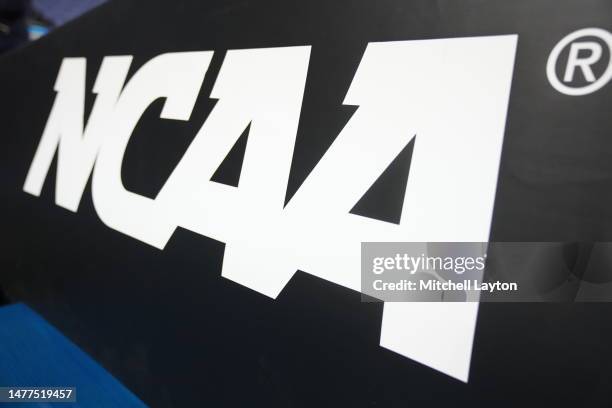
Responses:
[33,353]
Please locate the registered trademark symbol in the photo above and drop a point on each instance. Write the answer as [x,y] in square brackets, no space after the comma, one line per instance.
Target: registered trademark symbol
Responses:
[581,62]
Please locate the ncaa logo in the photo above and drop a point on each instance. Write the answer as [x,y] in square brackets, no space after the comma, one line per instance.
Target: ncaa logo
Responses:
[581,62]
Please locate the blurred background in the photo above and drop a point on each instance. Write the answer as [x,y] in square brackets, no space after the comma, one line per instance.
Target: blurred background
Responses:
[22,21]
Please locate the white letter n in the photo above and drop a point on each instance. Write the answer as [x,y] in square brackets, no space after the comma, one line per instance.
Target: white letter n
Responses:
[64,132]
